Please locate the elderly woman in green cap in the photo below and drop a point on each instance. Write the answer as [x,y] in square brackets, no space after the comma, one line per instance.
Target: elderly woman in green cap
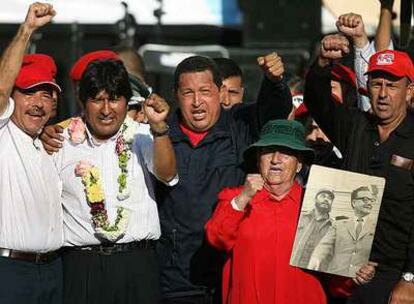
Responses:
[256,223]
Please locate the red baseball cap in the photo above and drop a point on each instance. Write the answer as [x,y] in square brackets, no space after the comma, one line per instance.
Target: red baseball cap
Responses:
[344,73]
[393,62]
[82,63]
[300,111]
[36,69]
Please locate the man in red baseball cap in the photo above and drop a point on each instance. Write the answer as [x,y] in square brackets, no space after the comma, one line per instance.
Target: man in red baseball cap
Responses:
[37,74]
[390,74]
[31,213]
[380,143]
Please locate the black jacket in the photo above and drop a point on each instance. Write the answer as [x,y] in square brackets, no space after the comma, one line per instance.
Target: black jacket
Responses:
[355,134]
[188,265]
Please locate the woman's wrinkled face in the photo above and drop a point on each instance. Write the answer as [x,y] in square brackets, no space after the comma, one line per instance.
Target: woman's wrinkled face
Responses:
[278,165]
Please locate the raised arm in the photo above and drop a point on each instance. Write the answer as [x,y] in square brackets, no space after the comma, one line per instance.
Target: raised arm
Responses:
[384,29]
[333,118]
[352,26]
[274,99]
[223,228]
[156,109]
[38,15]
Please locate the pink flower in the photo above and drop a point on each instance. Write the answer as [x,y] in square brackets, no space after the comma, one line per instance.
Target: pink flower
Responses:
[77,130]
[120,145]
[82,167]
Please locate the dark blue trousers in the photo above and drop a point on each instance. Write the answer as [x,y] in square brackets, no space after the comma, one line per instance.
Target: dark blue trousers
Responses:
[30,283]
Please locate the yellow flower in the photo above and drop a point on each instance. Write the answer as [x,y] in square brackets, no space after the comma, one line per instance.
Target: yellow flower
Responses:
[94,171]
[95,193]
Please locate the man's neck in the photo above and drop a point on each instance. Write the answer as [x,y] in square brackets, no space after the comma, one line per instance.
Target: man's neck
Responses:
[360,215]
[319,215]
[95,139]
[385,129]
[33,136]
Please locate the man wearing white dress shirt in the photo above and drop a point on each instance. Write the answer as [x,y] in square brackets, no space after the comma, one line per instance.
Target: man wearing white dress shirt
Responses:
[30,210]
[110,258]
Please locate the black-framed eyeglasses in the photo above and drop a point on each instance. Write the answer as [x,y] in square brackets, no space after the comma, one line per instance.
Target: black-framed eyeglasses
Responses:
[365,199]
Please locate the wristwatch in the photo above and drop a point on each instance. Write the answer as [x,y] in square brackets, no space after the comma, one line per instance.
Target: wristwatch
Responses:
[408,277]
[160,132]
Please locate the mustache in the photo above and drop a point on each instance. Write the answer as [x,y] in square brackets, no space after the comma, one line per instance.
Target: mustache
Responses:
[103,117]
[36,111]
[319,143]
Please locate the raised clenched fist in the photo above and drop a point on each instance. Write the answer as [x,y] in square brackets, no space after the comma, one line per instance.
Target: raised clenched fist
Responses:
[333,47]
[38,15]
[272,65]
[252,184]
[352,26]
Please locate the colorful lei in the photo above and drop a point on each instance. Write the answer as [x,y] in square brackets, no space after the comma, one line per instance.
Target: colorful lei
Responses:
[91,179]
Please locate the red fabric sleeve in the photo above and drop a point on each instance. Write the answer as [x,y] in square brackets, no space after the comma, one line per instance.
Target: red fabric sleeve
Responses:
[223,226]
[340,286]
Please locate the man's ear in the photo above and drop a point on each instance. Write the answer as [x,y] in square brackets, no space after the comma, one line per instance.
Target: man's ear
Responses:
[410,93]
[222,93]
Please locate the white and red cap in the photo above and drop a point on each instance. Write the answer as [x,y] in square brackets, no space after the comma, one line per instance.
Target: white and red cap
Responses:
[37,69]
[396,63]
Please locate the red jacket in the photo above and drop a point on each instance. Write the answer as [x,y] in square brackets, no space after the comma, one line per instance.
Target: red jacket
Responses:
[259,243]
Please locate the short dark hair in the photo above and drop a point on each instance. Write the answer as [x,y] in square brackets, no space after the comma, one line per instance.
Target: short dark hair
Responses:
[355,192]
[195,64]
[104,75]
[228,68]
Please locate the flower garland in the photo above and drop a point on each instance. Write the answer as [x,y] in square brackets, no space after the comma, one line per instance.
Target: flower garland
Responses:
[91,179]
[123,148]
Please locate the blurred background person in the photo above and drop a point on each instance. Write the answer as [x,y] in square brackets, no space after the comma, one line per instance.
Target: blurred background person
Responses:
[232,78]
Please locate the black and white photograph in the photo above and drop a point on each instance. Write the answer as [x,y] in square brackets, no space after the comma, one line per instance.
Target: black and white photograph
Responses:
[337,222]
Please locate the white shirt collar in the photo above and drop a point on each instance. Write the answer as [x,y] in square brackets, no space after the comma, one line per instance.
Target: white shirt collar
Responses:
[27,138]
[94,142]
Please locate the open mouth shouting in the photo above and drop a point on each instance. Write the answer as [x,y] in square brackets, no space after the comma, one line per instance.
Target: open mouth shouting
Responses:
[198,114]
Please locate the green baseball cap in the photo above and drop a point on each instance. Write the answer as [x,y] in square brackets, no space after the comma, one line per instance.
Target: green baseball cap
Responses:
[283,133]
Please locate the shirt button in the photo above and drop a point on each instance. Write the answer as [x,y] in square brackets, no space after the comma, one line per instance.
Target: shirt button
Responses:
[376,144]
[351,265]
[353,252]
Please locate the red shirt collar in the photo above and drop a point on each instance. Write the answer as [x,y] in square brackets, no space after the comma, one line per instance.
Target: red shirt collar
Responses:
[194,137]
[295,194]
